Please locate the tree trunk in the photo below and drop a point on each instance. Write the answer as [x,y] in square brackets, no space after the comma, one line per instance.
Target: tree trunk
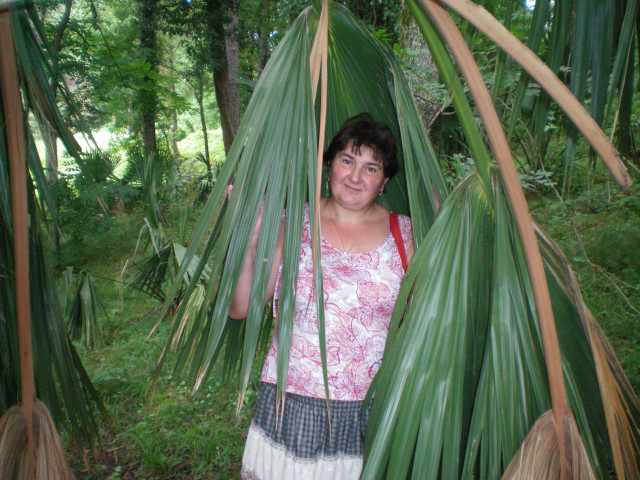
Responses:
[411,38]
[147,94]
[265,28]
[223,45]
[174,130]
[174,114]
[50,137]
[203,122]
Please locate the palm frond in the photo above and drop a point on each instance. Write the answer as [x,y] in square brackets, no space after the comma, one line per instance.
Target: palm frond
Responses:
[483,20]
[620,404]
[273,160]
[151,272]
[185,323]
[96,166]
[50,460]
[414,446]
[151,172]
[61,381]
[464,377]
[83,323]
[539,456]
[534,40]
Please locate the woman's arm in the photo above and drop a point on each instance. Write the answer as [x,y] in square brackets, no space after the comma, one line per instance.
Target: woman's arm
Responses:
[408,243]
[410,251]
[240,301]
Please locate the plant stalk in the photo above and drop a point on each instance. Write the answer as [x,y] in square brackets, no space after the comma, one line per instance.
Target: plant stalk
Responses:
[492,28]
[319,73]
[502,153]
[12,103]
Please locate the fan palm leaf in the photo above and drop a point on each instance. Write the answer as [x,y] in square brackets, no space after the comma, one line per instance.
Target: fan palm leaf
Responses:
[273,160]
[561,417]
[593,43]
[60,379]
[464,378]
[83,324]
[491,27]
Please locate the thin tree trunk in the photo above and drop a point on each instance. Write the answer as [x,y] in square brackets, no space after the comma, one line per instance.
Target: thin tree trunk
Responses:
[174,114]
[62,26]
[147,94]
[48,134]
[226,92]
[233,54]
[265,29]
[221,82]
[174,130]
[411,38]
[203,122]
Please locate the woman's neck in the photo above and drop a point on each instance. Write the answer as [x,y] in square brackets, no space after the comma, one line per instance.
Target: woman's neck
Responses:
[342,215]
[353,231]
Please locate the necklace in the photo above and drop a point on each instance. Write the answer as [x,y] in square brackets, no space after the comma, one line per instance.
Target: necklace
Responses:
[355,242]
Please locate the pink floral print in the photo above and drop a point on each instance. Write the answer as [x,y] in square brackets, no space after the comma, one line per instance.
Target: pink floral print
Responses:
[360,291]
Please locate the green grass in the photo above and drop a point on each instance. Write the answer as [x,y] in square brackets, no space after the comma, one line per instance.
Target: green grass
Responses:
[160,434]
[599,232]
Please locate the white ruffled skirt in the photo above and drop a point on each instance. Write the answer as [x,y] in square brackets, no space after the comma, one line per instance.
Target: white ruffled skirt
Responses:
[300,445]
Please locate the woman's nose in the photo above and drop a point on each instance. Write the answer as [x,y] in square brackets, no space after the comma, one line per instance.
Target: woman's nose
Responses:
[355,175]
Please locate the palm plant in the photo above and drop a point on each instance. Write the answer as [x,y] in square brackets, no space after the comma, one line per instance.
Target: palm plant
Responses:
[158,264]
[592,45]
[470,369]
[80,303]
[60,379]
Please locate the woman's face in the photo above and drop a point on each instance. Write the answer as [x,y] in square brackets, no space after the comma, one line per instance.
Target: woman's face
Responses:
[356,179]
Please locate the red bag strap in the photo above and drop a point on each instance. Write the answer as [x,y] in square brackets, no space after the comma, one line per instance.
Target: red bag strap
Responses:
[397,236]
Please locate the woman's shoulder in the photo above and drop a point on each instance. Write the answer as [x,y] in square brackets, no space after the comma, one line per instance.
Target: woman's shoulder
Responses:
[403,219]
[406,229]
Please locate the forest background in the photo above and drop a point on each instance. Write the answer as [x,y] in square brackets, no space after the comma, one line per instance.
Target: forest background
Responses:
[162,86]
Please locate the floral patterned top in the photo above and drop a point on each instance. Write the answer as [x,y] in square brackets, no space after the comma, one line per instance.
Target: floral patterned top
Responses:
[360,291]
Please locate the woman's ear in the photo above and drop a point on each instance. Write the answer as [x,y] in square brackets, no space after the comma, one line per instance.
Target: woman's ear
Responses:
[328,167]
[381,191]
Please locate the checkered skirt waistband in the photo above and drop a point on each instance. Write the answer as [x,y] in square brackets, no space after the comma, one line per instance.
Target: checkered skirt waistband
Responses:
[304,427]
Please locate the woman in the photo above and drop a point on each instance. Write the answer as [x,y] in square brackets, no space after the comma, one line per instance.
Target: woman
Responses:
[362,270]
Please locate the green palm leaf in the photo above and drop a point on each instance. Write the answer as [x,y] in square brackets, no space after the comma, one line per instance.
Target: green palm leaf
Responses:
[273,159]
[82,310]
[594,46]
[61,381]
[464,379]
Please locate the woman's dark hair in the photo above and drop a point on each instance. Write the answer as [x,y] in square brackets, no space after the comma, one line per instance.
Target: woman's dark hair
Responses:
[364,130]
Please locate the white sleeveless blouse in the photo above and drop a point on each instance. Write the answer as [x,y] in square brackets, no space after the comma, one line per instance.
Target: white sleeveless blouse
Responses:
[360,291]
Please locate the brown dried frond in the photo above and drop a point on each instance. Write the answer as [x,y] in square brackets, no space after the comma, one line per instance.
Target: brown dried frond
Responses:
[539,455]
[618,397]
[15,464]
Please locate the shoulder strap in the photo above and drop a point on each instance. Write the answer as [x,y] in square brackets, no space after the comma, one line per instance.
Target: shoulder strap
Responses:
[397,236]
